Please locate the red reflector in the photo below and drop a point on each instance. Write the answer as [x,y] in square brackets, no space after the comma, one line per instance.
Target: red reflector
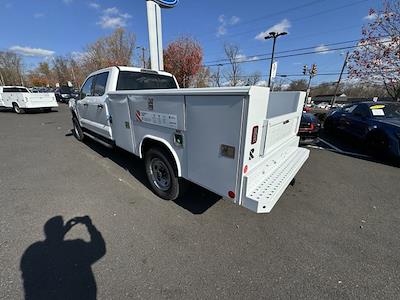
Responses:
[246,168]
[312,126]
[254,135]
[231,194]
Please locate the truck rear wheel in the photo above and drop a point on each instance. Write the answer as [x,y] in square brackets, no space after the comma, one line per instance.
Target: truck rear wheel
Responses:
[161,174]
[17,109]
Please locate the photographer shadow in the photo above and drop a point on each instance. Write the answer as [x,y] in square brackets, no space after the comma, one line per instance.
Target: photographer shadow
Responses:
[61,269]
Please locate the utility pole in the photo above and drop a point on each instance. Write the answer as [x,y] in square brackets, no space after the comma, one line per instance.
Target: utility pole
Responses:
[143,58]
[311,72]
[274,36]
[218,75]
[340,78]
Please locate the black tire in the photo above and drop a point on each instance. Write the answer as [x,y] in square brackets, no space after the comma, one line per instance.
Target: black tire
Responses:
[166,184]
[377,144]
[77,130]
[17,109]
[47,110]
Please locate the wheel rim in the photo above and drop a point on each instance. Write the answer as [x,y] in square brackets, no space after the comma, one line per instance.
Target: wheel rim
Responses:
[160,175]
[76,130]
[16,108]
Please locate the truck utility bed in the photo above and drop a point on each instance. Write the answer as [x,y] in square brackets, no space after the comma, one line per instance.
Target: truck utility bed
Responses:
[240,143]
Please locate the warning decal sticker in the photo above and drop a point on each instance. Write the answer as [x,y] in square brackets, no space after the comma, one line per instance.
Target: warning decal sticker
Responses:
[165,120]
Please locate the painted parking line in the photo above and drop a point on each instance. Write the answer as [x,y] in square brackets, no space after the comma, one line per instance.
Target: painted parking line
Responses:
[336,149]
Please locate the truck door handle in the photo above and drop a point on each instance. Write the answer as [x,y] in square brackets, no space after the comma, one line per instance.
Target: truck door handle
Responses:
[85,104]
[100,106]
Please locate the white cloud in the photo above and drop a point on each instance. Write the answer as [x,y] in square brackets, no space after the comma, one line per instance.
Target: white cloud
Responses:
[224,23]
[77,55]
[234,20]
[370,17]
[28,51]
[242,57]
[38,15]
[94,5]
[282,26]
[112,18]
[322,49]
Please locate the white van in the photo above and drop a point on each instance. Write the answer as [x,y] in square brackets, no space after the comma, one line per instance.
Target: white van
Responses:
[20,99]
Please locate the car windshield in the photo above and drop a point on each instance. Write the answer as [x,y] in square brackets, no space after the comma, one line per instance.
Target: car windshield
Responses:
[387,110]
[65,90]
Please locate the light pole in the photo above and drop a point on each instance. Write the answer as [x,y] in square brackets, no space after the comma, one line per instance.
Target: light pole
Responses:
[143,56]
[218,75]
[273,35]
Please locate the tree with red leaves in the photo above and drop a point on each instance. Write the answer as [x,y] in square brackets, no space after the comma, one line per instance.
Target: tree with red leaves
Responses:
[377,59]
[183,58]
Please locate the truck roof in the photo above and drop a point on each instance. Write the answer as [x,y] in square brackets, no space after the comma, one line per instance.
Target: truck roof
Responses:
[133,69]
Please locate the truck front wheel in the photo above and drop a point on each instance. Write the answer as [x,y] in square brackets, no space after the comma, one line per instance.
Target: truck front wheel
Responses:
[78,133]
[161,174]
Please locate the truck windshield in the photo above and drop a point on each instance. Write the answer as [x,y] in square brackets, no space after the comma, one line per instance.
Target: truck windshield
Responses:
[144,81]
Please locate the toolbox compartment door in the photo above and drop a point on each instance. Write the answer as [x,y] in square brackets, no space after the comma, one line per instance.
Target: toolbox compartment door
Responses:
[212,122]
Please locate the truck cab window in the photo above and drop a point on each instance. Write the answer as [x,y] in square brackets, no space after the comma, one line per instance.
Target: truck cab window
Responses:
[87,88]
[100,84]
[144,81]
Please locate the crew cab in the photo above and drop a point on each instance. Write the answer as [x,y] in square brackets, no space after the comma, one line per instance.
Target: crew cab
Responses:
[239,142]
[20,99]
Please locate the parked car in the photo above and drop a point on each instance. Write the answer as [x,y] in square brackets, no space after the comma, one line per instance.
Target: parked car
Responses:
[376,124]
[65,93]
[309,126]
[20,99]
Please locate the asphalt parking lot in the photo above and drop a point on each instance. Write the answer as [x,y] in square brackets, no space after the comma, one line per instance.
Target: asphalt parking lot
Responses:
[335,234]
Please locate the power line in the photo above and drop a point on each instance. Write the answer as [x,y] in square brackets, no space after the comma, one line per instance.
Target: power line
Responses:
[288,51]
[296,54]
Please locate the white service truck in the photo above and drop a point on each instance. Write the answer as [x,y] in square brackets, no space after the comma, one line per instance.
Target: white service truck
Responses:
[20,99]
[239,142]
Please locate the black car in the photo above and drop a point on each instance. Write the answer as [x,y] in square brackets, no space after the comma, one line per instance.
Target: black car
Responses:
[65,93]
[377,124]
[309,126]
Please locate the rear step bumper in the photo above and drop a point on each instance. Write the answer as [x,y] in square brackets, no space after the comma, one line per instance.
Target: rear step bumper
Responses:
[264,185]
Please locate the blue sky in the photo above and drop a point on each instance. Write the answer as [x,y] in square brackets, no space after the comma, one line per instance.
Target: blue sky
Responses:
[65,26]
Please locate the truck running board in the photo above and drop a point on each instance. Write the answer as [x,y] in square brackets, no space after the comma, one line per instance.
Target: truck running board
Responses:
[266,184]
[105,142]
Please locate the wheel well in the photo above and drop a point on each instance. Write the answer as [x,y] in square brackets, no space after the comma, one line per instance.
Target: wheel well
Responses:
[149,143]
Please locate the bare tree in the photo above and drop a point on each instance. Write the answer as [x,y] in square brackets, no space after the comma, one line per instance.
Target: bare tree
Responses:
[298,85]
[61,70]
[116,49]
[202,78]
[11,68]
[254,78]
[232,53]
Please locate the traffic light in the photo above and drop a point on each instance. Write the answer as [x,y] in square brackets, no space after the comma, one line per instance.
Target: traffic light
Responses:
[305,69]
[314,69]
